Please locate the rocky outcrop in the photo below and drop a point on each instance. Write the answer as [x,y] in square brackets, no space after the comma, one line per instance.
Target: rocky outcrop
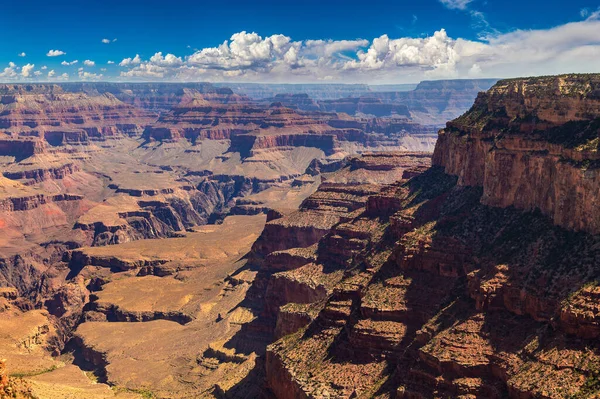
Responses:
[300,101]
[155,97]
[433,291]
[58,117]
[32,176]
[531,144]
[364,105]
[206,116]
[435,102]
[295,272]
[20,148]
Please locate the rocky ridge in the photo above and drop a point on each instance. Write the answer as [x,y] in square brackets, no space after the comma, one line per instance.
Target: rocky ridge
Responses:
[425,288]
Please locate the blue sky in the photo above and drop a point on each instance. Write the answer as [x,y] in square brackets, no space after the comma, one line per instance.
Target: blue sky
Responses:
[296,41]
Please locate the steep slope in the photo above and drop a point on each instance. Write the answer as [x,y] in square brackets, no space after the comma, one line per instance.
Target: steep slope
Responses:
[430,287]
[531,144]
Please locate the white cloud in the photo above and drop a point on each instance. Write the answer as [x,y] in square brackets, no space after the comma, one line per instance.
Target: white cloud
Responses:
[110,62]
[55,53]
[167,60]
[105,41]
[37,73]
[131,61]
[9,72]
[456,4]
[573,47]
[89,63]
[43,68]
[26,70]
[51,73]
[88,76]
[23,54]
[433,52]
[245,50]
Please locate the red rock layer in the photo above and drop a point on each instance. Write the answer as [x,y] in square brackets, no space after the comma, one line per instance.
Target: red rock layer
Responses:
[531,144]
[440,296]
[58,117]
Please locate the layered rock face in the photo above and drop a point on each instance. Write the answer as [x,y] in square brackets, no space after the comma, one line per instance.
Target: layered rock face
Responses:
[532,144]
[155,97]
[114,247]
[435,102]
[364,105]
[429,103]
[424,288]
[58,117]
[257,128]
[249,126]
[288,243]
[301,101]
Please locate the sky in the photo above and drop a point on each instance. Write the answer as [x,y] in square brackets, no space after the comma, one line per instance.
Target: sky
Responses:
[302,41]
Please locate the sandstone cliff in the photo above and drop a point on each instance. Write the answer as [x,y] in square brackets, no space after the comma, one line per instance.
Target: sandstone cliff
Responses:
[57,117]
[467,280]
[532,144]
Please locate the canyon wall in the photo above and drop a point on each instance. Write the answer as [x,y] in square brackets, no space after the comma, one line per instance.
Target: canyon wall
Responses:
[469,280]
[532,144]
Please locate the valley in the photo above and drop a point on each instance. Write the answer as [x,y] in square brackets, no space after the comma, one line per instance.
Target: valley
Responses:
[173,240]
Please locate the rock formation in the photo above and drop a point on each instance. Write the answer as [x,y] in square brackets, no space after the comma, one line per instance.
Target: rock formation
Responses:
[364,105]
[440,286]
[531,144]
[58,117]
[348,270]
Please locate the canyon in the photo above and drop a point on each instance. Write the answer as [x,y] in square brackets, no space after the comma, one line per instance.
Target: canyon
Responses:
[300,241]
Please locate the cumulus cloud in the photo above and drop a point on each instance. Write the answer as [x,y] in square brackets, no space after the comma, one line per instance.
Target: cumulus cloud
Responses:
[167,60]
[83,75]
[433,52]
[10,72]
[110,62]
[43,68]
[573,47]
[51,73]
[131,61]
[23,54]
[456,4]
[55,53]
[243,51]
[107,41]
[65,63]
[89,63]
[26,70]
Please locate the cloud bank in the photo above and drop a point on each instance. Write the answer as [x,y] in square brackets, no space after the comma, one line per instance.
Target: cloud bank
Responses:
[248,56]
[574,47]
